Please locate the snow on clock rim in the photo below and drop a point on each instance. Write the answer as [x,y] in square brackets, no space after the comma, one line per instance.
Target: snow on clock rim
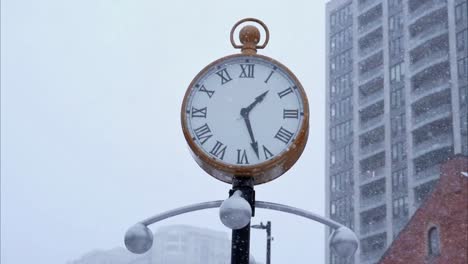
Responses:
[260,172]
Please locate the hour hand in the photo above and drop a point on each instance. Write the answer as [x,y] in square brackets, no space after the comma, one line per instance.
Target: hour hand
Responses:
[258,99]
[253,143]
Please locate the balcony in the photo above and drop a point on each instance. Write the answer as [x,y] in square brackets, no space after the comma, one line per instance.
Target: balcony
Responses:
[441,141]
[371,49]
[372,175]
[373,98]
[370,27]
[372,149]
[372,202]
[428,34]
[434,58]
[433,87]
[364,77]
[366,5]
[432,115]
[427,175]
[426,8]
[372,123]
[372,256]
[373,228]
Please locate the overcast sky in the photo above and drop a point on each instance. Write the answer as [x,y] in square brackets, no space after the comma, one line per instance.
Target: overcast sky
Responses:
[91,140]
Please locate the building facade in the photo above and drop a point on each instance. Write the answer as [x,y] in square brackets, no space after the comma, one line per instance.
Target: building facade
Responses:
[396,99]
[181,244]
[176,244]
[438,231]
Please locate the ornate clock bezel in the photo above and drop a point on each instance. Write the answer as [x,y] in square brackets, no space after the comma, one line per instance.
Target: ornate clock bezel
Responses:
[262,172]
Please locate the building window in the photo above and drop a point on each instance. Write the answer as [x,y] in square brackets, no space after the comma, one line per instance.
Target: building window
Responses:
[433,241]
[399,181]
[342,84]
[394,3]
[396,46]
[463,95]
[341,108]
[462,39]
[342,155]
[333,20]
[396,73]
[460,12]
[398,152]
[397,99]
[341,181]
[463,68]
[398,125]
[395,23]
[400,207]
[341,16]
[341,131]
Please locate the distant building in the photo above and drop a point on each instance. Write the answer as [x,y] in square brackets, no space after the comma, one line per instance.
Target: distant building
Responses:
[113,256]
[177,244]
[438,231]
[396,98]
[180,244]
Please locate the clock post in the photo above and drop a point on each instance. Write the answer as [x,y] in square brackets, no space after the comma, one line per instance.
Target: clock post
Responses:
[240,240]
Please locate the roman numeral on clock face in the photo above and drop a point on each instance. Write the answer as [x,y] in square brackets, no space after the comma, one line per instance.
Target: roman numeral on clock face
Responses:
[208,92]
[247,71]
[267,153]
[284,135]
[199,112]
[290,113]
[218,150]
[285,92]
[224,76]
[269,76]
[203,133]
[242,157]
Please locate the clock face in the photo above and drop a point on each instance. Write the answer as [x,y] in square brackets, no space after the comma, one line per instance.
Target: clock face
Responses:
[244,111]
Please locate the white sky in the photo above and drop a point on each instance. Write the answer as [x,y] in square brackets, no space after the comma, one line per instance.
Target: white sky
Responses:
[91,140]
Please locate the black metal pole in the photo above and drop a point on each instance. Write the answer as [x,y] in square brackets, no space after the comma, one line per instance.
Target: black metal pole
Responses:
[269,238]
[240,249]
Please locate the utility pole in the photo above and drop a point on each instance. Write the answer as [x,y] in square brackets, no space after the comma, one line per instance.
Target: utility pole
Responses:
[269,238]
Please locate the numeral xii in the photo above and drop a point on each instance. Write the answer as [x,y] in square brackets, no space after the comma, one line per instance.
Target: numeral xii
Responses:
[247,71]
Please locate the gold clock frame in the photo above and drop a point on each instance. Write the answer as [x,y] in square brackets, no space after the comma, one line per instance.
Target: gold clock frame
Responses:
[265,171]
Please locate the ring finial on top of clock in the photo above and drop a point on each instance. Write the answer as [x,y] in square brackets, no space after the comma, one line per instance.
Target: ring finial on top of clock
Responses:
[249,36]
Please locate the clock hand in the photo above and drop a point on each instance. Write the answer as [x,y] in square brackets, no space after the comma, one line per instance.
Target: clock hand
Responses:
[258,99]
[245,114]
[254,143]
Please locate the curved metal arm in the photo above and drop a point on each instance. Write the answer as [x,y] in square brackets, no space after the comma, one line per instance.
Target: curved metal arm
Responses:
[181,210]
[299,212]
[258,204]
[138,239]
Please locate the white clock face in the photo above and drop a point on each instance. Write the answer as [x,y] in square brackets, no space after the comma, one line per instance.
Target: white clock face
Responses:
[244,111]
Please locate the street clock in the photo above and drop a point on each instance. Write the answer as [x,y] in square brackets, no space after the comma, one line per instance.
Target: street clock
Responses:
[246,115]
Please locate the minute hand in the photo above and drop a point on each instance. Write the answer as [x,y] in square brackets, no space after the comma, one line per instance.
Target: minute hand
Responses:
[253,143]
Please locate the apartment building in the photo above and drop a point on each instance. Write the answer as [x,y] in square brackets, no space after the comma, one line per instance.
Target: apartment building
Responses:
[396,98]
